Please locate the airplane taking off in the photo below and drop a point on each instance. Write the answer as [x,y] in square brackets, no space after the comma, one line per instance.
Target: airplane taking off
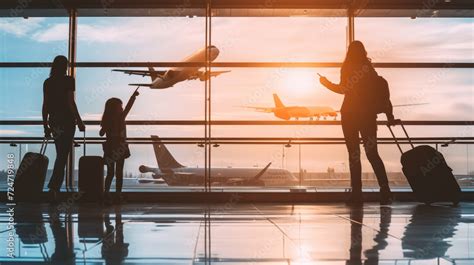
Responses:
[168,78]
[287,112]
[175,174]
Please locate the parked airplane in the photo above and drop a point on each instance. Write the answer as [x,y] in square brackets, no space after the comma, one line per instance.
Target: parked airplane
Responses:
[168,78]
[175,174]
[287,112]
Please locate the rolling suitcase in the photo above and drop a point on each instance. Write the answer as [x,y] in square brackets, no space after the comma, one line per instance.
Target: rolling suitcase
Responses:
[30,176]
[91,175]
[428,174]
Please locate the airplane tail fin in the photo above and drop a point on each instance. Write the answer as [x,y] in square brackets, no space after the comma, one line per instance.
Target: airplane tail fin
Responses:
[278,103]
[260,174]
[153,73]
[163,157]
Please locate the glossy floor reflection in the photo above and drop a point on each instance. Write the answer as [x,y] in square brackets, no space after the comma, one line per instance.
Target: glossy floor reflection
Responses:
[405,233]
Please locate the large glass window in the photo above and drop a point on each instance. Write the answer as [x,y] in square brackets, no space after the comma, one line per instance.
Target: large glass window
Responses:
[245,138]
[281,39]
[417,40]
[34,39]
[139,39]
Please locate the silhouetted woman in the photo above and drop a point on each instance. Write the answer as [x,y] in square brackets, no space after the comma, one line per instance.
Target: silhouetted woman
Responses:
[60,117]
[115,147]
[358,116]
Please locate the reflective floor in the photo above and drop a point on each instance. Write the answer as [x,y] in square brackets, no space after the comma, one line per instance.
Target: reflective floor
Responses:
[404,233]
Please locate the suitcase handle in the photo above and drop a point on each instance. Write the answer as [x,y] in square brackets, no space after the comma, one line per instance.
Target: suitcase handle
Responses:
[395,138]
[44,144]
[84,143]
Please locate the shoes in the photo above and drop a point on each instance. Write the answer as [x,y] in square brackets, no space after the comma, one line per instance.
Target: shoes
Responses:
[355,199]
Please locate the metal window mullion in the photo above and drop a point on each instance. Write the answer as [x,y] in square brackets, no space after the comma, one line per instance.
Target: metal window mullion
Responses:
[209,101]
[72,72]
[350,26]
[206,105]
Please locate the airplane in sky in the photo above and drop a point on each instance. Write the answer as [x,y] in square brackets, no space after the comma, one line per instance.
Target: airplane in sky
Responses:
[175,174]
[172,76]
[288,112]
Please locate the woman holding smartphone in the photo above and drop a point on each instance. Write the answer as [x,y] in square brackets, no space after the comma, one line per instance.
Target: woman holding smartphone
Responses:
[358,116]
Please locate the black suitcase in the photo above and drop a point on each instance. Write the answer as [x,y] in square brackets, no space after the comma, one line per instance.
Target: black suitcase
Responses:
[30,176]
[428,174]
[91,175]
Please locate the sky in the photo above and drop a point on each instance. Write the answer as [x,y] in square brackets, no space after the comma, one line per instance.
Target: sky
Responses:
[449,92]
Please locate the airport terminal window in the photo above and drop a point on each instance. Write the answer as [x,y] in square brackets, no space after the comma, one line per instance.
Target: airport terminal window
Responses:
[285,39]
[148,170]
[417,40]
[450,89]
[234,93]
[240,39]
[33,39]
[183,101]
[318,167]
[138,39]
[22,92]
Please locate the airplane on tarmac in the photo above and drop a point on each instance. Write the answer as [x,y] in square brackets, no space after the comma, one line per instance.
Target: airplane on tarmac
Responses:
[287,112]
[172,76]
[175,174]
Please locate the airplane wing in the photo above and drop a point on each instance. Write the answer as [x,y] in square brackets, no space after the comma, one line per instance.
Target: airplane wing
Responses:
[147,85]
[406,105]
[138,72]
[216,73]
[201,75]
[262,171]
[235,181]
[260,109]
[155,181]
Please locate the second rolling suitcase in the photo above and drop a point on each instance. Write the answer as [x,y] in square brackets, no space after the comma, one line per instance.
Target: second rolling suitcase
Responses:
[91,175]
[428,174]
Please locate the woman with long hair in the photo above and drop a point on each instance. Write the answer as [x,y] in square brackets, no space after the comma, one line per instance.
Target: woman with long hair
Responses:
[60,116]
[358,116]
[115,147]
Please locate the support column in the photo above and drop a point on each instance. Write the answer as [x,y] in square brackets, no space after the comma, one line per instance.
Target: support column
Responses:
[350,26]
[207,96]
[71,72]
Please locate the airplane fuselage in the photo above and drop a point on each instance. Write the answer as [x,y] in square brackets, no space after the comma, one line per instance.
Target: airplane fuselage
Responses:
[226,176]
[287,113]
[178,74]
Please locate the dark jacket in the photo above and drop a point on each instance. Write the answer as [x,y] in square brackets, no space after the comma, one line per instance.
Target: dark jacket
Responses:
[355,85]
[55,91]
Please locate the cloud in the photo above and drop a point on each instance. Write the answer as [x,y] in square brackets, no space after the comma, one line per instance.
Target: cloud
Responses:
[19,26]
[120,30]
[57,32]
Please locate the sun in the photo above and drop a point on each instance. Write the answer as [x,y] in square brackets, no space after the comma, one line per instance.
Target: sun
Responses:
[299,81]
